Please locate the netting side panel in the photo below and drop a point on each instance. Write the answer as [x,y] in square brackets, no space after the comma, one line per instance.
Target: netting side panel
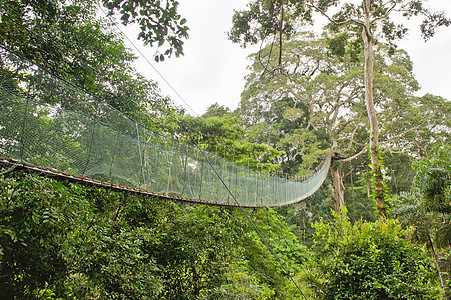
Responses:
[209,179]
[176,178]
[67,138]
[125,168]
[155,163]
[11,124]
[197,167]
[297,191]
[102,147]
[50,123]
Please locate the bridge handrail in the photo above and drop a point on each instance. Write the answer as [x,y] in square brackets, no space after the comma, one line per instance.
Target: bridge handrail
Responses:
[80,135]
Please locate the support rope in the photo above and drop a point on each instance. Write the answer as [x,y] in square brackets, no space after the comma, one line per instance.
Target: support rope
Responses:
[83,138]
[8,170]
[246,214]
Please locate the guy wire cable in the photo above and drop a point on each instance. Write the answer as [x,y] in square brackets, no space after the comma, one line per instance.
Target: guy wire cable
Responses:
[153,67]
[8,170]
[58,44]
[150,64]
[226,186]
[244,212]
[148,61]
[281,233]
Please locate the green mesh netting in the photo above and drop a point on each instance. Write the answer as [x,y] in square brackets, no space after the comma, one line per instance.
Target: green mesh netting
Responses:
[76,133]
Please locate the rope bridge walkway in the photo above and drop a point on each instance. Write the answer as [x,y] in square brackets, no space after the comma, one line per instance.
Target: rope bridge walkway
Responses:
[79,138]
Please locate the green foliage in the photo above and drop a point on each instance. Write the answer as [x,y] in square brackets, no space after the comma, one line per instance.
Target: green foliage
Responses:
[431,185]
[262,19]
[241,285]
[433,179]
[45,28]
[399,172]
[359,204]
[35,216]
[216,110]
[159,23]
[61,240]
[220,131]
[67,38]
[369,261]
[345,47]
[283,242]
[426,207]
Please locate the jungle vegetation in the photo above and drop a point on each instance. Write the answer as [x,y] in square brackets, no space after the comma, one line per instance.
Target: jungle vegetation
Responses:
[378,229]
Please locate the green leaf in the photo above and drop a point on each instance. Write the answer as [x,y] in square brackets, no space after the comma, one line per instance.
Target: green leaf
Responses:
[125,17]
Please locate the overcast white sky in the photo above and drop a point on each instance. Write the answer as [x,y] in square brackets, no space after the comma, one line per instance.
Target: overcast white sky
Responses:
[213,68]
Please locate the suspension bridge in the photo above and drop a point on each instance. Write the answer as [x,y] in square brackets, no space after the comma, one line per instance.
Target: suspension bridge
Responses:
[49,126]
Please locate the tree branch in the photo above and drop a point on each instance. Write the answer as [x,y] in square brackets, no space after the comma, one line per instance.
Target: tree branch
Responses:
[401,134]
[334,21]
[363,151]
[280,33]
[351,140]
[342,127]
[386,14]
[345,177]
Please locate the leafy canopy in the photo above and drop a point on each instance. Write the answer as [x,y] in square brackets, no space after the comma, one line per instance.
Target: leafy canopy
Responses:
[158,20]
[369,261]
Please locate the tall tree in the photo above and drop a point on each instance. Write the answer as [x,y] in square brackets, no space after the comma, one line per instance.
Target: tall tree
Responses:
[294,109]
[318,99]
[369,22]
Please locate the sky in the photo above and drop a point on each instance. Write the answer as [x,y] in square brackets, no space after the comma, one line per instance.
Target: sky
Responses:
[213,68]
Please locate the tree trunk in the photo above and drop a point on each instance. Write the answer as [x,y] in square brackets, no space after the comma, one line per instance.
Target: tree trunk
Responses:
[337,186]
[371,110]
[437,265]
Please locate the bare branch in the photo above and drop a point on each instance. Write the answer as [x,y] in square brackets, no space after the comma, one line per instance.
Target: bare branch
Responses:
[336,106]
[351,140]
[280,32]
[346,176]
[354,142]
[363,151]
[334,21]
[401,134]
[342,127]
[386,14]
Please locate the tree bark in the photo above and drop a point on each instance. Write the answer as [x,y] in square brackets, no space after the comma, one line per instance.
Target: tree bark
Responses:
[437,265]
[337,186]
[371,110]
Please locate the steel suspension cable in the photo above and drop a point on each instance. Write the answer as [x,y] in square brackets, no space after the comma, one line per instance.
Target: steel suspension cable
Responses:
[245,213]
[148,61]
